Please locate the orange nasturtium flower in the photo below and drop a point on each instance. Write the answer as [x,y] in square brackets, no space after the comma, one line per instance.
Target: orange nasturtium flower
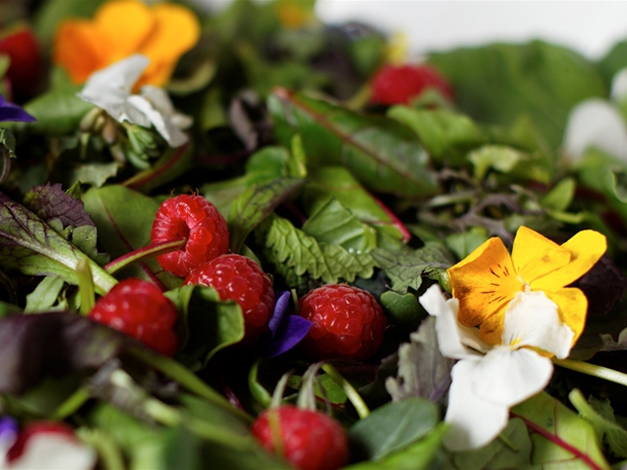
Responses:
[488,279]
[121,28]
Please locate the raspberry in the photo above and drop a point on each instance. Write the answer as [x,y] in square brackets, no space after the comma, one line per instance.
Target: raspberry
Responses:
[310,440]
[348,322]
[239,278]
[139,309]
[400,84]
[195,219]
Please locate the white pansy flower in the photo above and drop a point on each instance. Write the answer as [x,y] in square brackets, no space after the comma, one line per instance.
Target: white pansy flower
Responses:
[111,89]
[488,380]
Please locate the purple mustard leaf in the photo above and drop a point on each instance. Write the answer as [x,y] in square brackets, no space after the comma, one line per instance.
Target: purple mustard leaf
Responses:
[13,112]
[286,330]
[49,202]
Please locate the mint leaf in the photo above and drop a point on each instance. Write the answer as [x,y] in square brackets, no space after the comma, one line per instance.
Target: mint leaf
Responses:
[289,246]
[406,268]
[29,245]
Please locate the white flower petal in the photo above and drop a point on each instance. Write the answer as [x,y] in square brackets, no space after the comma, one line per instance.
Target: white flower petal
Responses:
[455,340]
[595,123]
[161,102]
[474,421]
[619,85]
[51,450]
[111,87]
[508,376]
[172,134]
[531,319]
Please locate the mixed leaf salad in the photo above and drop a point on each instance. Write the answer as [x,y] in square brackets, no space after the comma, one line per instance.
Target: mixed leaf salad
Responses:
[334,160]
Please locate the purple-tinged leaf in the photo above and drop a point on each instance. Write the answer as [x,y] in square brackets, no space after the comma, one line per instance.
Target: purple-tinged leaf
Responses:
[13,112]
[286,330]
[50,202]
[29,245]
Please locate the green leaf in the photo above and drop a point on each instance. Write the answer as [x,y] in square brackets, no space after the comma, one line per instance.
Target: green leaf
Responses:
[422,369]
[498,83]
[447,135]
[498,157]
[254,204]
[403,312]
[561,437]
[29,245]
[58,112]
[45,295]
[512,450]
[405,268]
[608,430]
[417,456]
[462,244]
[393,426]
[381,153]
[291,247]
[560,197]
[124,219]
[211,324]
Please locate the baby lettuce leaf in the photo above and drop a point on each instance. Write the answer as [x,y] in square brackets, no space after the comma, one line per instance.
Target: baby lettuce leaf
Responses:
[561,437]
[30,245]
[124,219]
[498,83]
[292,249]
[381,153]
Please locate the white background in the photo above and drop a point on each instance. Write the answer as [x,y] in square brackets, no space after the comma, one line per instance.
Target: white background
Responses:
[590,27]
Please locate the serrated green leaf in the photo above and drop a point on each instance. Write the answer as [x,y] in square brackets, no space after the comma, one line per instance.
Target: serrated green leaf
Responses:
[294,248]
[405,268]
[381,153]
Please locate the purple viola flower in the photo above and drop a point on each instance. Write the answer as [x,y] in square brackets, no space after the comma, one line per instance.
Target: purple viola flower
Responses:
[8,434]
[13,112]
[286,330]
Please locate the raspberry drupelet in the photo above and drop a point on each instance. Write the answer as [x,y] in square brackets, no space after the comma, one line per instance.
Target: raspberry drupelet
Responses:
[399,84]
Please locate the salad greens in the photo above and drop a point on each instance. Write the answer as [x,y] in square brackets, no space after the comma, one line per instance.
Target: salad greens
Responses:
[320,185]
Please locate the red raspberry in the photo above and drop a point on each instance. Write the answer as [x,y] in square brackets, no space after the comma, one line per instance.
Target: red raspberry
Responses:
[348,322]
[310,440]
[239,278]
[195,219]
[399,84]
[139,309]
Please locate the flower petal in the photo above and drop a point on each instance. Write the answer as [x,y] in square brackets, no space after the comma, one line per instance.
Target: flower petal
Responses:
[13,112]
[52,450]
[535,256]
[110,89]
[484,282]
[177,30]
[172,134]
[532,320]
[508,376]
[585,248]
[455,340]
[78,49]
[572,309]
[474,421]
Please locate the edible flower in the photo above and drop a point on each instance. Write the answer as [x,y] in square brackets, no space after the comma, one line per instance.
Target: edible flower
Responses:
[13,112]
[488,380]
[120,28]
[285,330]
[488,280]
[110,89]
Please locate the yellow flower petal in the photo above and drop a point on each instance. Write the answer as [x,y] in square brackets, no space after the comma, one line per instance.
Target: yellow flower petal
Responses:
[491,330]
[586,248]
[126,24]
[177,30]
[535,256]
[484,282]
[572,308]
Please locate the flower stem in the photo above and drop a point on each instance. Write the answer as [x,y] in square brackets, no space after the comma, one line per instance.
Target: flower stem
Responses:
[86,289]
[71,404]
[593,370]
[360,406]
[143,253]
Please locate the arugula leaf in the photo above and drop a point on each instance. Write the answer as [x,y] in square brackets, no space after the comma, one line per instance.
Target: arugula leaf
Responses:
[422,370]
[292,248]
[380,152]
[29,245]
[561,437]
[498,83]
[405,268]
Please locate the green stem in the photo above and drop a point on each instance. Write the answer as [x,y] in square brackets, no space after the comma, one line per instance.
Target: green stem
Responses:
[86,290]
[143,253]
[362,409]
[110,455]
[188,380]
[71,404]
[595,371]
